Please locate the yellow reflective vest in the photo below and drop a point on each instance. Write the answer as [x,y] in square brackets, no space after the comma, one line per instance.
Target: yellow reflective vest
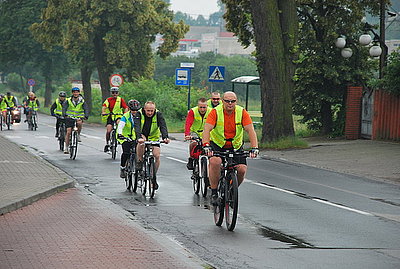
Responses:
[199,121]
[217,134]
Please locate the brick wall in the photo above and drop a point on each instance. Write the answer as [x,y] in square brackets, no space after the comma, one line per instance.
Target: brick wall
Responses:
[353,112]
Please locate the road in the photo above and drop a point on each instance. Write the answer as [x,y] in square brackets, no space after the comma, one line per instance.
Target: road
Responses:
[291,216]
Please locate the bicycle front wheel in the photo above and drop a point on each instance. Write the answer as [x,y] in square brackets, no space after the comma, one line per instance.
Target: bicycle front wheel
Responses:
[130,170]
[219,209]
[231,200]
[74,145]
[61,138]
[145,177]
[34,122]
[204,176]
[196,177]
[152,177]
[113,145]
[8,121]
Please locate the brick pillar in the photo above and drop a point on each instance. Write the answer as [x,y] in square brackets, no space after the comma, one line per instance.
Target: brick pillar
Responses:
[353,112]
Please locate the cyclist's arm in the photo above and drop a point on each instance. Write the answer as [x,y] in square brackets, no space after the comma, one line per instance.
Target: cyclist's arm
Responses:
[162,125]
[189,122]
[252,135]
[15,101]
[206,133]
[38,103]
[121,125]
[137,126]
[64,108]
[52,108]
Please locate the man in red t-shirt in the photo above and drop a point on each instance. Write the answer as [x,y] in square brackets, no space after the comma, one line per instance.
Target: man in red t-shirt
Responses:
[220,133]
[113,109]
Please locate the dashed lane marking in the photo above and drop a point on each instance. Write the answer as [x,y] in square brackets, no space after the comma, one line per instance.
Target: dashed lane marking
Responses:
[177,160]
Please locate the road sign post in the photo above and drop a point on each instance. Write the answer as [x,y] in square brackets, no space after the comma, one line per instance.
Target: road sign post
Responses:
[183,77]
[31,83]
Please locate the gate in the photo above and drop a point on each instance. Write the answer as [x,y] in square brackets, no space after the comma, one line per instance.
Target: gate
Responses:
[367,105]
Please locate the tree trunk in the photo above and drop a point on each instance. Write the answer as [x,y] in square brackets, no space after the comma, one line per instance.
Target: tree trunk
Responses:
[48,91]
[326,117]
[86,73]
[102,67]
[273,41]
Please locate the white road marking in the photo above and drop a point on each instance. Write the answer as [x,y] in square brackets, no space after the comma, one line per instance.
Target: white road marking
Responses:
[91,136]
[313,199]
[177,160]
[343,207]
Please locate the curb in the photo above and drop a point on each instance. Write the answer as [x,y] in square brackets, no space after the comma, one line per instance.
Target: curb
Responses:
[36,196]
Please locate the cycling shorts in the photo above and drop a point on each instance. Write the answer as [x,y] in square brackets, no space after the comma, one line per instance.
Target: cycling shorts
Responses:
[110,121]
[69,122]
[237,159]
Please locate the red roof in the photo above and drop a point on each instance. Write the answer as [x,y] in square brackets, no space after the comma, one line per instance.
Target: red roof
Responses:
[226,34]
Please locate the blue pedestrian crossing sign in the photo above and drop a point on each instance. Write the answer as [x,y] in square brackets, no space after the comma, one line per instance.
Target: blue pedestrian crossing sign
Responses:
[216,74]
[182,77]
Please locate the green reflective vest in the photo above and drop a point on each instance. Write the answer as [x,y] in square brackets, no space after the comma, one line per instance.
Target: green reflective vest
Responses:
[75,111]
[129,128]
[9,100]
[217,134]
[199,121]
[32,104]
[3,105]
[116,109]
[155,133]
[58,109]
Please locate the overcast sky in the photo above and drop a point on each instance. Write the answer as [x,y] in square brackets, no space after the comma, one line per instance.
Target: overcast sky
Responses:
[195,7]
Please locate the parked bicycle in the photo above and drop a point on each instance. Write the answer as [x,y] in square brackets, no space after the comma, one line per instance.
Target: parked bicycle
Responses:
[113,135]
[146,177]
[31,119]
[200,167]
[62,132]
[73,141]
[228,195]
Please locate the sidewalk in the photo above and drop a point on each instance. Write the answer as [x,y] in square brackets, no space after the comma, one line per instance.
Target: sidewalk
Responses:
[373,159]
[71,228]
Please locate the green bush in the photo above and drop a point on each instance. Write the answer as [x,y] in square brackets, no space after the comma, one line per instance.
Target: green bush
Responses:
[14,82]
[170,99]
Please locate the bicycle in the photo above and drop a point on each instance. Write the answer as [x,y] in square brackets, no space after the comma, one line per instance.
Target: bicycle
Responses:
[113,135]
[32,119]
[62,132]
[228,196]
[73,141]
[9,117]
[147,175]
[200,168]
[130,169]
[1,121]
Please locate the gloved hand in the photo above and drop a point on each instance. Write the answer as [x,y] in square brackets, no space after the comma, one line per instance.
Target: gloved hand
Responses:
[254,152]
[85,118]
[120,136]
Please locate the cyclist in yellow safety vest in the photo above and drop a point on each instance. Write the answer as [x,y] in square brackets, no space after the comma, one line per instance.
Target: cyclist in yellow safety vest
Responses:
[129,127]
[152,124]
[31,104]
[56,109]
[214,100]
[195,120]
[74,109]
[115,105]
[8,101]
[3,107]
[224,131]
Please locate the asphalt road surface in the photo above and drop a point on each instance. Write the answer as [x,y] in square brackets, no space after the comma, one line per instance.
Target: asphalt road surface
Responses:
[290,216]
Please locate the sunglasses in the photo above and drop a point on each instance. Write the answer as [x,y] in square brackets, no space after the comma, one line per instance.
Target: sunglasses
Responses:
[216,99]
[230,101]
[114,92]
[202,107]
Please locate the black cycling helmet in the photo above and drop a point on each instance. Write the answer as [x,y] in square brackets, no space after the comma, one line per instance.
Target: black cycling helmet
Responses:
[75,89]
[8,93]
[62,94]
[134,105]
[114,89]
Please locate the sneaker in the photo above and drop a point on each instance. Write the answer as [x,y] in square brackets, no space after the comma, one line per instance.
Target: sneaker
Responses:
[106,148]
[79,138]
[214,199]
[122,174]
[189,165]
[66,151]
[25,120]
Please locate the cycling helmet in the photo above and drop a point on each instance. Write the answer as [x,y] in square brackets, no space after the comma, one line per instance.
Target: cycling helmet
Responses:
[114,89]
[134,105]
[75,89]
[62,94]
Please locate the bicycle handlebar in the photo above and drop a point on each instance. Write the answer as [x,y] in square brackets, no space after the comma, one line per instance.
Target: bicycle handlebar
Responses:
[231,154]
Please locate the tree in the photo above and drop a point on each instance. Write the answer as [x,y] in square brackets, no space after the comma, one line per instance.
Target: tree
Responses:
[18,48]
[273,27]
[120,33]
[322,74]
